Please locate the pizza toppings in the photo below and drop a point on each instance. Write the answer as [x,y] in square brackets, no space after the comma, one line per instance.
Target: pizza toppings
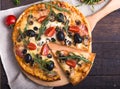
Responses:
[50,31]
[35,28]
[77,22]
[60,36]
[71,63]
[28,58]
[31,46]
[45,50]
[74,29]
[44,64]
[24,51]
[73,56]
[49,56]
[41,19]
[77,38]
[49,65]
[30,33]
[60,17]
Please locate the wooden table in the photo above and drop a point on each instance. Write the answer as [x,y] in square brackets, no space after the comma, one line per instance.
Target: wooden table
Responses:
[105,73]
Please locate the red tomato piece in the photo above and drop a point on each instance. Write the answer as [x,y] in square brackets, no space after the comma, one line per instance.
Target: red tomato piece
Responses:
[10,20]
[45,50]
[71,63]
[74,29]
[50,31]
[31,46]
[42,18]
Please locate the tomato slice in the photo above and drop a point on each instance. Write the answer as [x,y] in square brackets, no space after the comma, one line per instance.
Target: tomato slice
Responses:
[71,63]
[45,50]
[31,46]
[42,18]
[50,31]
[10,20]
[74,29]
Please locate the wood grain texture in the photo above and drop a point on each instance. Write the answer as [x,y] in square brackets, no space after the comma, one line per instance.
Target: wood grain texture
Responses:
[105,73]
[108,29]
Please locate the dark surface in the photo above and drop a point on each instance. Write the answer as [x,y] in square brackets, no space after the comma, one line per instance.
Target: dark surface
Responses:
[105,73]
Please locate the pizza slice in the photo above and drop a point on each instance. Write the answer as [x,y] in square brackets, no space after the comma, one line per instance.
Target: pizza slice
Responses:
[75,63]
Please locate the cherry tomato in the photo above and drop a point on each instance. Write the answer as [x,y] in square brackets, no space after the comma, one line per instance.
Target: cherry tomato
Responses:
[45,50]
[31,46]
[74,29]
[10,20]
[42,18]
[71,63]
[50,31]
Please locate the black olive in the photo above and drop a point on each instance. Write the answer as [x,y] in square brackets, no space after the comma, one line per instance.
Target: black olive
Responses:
[60,36]
[53,39]
[49,65]
[60,17]
[24,51]
[30,33]
[49,56]
[35,28]
[77,38]
[30,22]
[77,22]
[28,58]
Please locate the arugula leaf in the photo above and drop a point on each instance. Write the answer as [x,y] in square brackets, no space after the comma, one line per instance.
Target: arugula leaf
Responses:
[74,56]
[57,7]
[16,2]
[66,26]
[41,63]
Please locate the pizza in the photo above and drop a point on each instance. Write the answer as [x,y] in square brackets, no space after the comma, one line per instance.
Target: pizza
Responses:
[49,29]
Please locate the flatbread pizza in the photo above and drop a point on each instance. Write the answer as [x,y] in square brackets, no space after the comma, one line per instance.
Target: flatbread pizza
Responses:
[45,28]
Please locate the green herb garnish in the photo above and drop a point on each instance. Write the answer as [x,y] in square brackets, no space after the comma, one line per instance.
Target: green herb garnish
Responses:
[16,2]
[41,63]
[66,26]
[42,28]
[76,57]
[43,24]
[90,2]
[57,7]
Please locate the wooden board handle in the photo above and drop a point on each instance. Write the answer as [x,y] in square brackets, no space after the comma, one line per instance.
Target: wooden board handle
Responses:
[110,7]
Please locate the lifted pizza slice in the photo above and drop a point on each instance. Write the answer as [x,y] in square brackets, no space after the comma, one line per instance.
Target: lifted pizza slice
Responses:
[75,63]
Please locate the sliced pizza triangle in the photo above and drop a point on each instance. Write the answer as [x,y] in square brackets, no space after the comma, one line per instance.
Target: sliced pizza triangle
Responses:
[75,63]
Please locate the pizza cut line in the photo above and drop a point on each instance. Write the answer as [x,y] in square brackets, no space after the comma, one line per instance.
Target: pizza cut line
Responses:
[51,36]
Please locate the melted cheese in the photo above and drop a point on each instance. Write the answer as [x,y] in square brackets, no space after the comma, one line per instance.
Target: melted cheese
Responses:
[65,66]
[54,24]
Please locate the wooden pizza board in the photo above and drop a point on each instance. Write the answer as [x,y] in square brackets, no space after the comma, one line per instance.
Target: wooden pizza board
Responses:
[92,21]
